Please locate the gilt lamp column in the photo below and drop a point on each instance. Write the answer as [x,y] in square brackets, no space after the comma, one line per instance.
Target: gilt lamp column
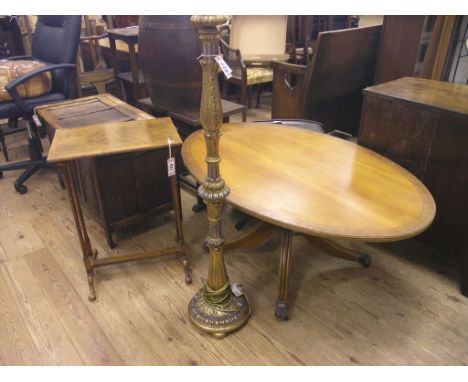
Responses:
[214,308]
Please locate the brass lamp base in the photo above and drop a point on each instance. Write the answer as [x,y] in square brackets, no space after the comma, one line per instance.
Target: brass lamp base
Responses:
[218,320]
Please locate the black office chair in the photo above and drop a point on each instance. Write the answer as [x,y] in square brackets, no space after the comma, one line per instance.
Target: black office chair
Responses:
[55,43]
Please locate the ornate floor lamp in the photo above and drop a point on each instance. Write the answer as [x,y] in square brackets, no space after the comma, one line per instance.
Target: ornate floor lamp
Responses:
[214,308]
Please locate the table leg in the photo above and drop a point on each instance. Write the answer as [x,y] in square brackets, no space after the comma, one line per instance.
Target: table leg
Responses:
[134,71]
[281,310]
[333,249]
[88,252]
[183,257]
[250,237]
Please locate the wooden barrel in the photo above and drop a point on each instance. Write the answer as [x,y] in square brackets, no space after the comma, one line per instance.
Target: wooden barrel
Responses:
[168,48]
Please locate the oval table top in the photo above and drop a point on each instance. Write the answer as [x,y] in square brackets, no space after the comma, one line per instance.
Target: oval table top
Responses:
[314,183]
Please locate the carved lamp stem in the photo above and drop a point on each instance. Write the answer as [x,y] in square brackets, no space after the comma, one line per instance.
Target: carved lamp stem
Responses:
[214,308]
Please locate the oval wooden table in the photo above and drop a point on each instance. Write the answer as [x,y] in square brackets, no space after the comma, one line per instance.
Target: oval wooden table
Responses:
[314,184]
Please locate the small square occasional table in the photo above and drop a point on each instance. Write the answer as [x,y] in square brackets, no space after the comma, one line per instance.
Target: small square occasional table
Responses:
[110,139]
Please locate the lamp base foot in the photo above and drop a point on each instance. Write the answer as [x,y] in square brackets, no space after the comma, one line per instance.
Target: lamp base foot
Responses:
[218,320]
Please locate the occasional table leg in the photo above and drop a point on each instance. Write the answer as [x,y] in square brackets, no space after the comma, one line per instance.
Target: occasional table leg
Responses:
[333,249]
[88,253]
[92,292]
[281,310]
[184,258]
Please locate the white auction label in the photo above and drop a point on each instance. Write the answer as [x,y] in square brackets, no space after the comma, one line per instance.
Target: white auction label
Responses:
[170,166]
[224,67]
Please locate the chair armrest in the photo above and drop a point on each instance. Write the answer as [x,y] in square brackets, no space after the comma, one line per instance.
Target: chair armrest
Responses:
[93,37]
[288,92]
[237,62]
[288,68]
[14,58]
[12,86]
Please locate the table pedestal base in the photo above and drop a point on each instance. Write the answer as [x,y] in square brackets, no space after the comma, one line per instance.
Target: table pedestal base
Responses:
[261,231]
[90,255]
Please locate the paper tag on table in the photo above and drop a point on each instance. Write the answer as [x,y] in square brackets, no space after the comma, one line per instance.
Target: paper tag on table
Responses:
[224,67]
[170,167]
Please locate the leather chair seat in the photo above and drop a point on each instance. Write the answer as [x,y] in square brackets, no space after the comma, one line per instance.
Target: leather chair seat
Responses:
[9,109]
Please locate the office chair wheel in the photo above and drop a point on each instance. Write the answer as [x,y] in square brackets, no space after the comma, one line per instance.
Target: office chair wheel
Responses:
[1,174]
[21,189]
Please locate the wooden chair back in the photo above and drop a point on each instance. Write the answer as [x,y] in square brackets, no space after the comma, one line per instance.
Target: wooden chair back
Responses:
[257,35]
[329,89]
[343,63]
[99,76]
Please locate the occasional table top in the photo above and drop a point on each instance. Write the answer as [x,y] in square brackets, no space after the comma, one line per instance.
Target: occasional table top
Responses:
[435,94]
[99,108]
[112,138]
[314,183]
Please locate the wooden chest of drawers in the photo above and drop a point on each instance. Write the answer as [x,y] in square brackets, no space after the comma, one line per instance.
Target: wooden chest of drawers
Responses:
[423,126]
[119,190]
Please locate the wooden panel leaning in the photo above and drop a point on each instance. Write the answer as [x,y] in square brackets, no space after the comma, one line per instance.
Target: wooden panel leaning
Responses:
[328,90]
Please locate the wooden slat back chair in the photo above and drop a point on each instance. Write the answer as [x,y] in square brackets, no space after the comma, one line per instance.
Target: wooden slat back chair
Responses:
[100,76]
[329,89]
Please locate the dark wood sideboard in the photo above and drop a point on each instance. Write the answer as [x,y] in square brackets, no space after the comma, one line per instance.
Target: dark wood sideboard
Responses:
[119,190]
[423,126]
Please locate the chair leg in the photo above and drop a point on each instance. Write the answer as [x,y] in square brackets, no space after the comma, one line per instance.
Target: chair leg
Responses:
[15,166]
[259,91]
[36,161]
[13,123]
[30,171]
[225,88]
[3,147]
[244,96]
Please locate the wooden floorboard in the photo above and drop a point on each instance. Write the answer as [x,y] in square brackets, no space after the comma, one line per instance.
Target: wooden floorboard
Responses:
[404,310]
